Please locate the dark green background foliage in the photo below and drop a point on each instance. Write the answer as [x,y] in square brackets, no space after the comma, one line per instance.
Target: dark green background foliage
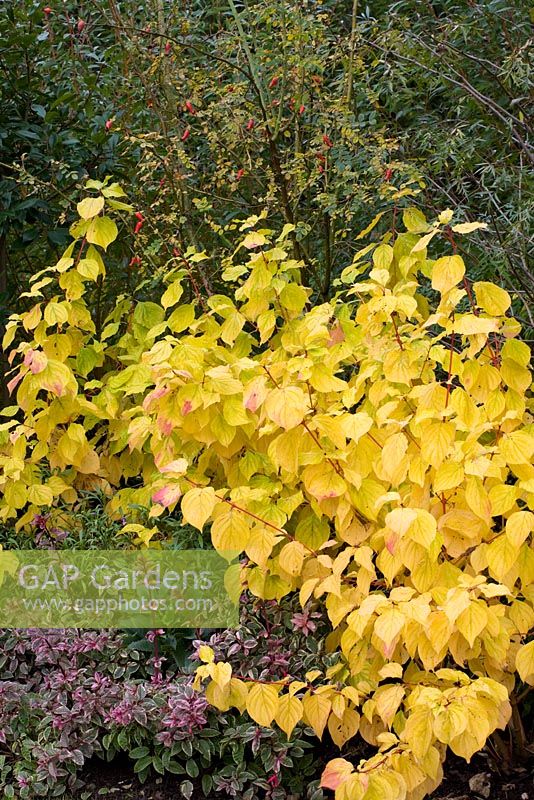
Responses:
[317,112]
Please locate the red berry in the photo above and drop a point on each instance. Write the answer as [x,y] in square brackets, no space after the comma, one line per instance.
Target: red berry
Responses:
[185,135]
[250,124]
[189,106]
[321,168]
[388,174]
[135,261]
[138,226]
[47,10]
[80,25]
[302,109]
[239,174]
[274,82]
[327,141]
[139,216]
[109,123]
[168,48]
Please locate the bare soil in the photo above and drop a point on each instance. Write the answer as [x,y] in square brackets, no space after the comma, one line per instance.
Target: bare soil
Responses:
[474,781]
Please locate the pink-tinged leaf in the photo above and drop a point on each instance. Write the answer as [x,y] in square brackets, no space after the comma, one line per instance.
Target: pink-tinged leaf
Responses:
[335,773]
[335,335]
[391,540]
[253,401]
[187,408]
[165,426]
[167,495]
[389,649]
[253,240]
[36,360]
[180,465]
[14,382]
[155,394]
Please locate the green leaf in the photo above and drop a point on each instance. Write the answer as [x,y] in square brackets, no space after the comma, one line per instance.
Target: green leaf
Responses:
[192,768]
[139,752]
[143,762]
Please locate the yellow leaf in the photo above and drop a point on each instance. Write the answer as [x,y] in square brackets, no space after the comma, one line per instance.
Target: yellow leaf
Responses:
[418,731]
[356,425]
[56,313]
[393,453]
[371,225]
[90,207]
[40,495]
[477,498]
[335,773]
[101,231]
[221,673]
[197,506]
[437,441]
[502,498]
[524,663]
[238,694]
[449,722]
[448,476]
[471,325]
[501,555]
[492,299]
[447,272]
[445,216]
[397,366]
[388,625]
[206,654]
[217,696]
[286,406]
[423,242]
[472,621]
[290,711]
[15,494]
[388,700]
[414,220]
[181,318]
[230,531]
[517,447]
[263,703]
[322,481]
[172,294]
[291,558]
[468,227]
[88,268]
[341,730]
[316,710]
[253,240]
[383,256]
[260,545]
[518,527]
[293,297]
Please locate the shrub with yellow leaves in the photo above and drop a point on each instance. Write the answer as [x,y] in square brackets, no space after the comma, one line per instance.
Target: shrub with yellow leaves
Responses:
[372,453]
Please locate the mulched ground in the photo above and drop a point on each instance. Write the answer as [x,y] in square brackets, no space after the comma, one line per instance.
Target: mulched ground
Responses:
[475,781]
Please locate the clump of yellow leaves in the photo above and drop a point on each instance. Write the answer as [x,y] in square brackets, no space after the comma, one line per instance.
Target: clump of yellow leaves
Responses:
[372,453]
